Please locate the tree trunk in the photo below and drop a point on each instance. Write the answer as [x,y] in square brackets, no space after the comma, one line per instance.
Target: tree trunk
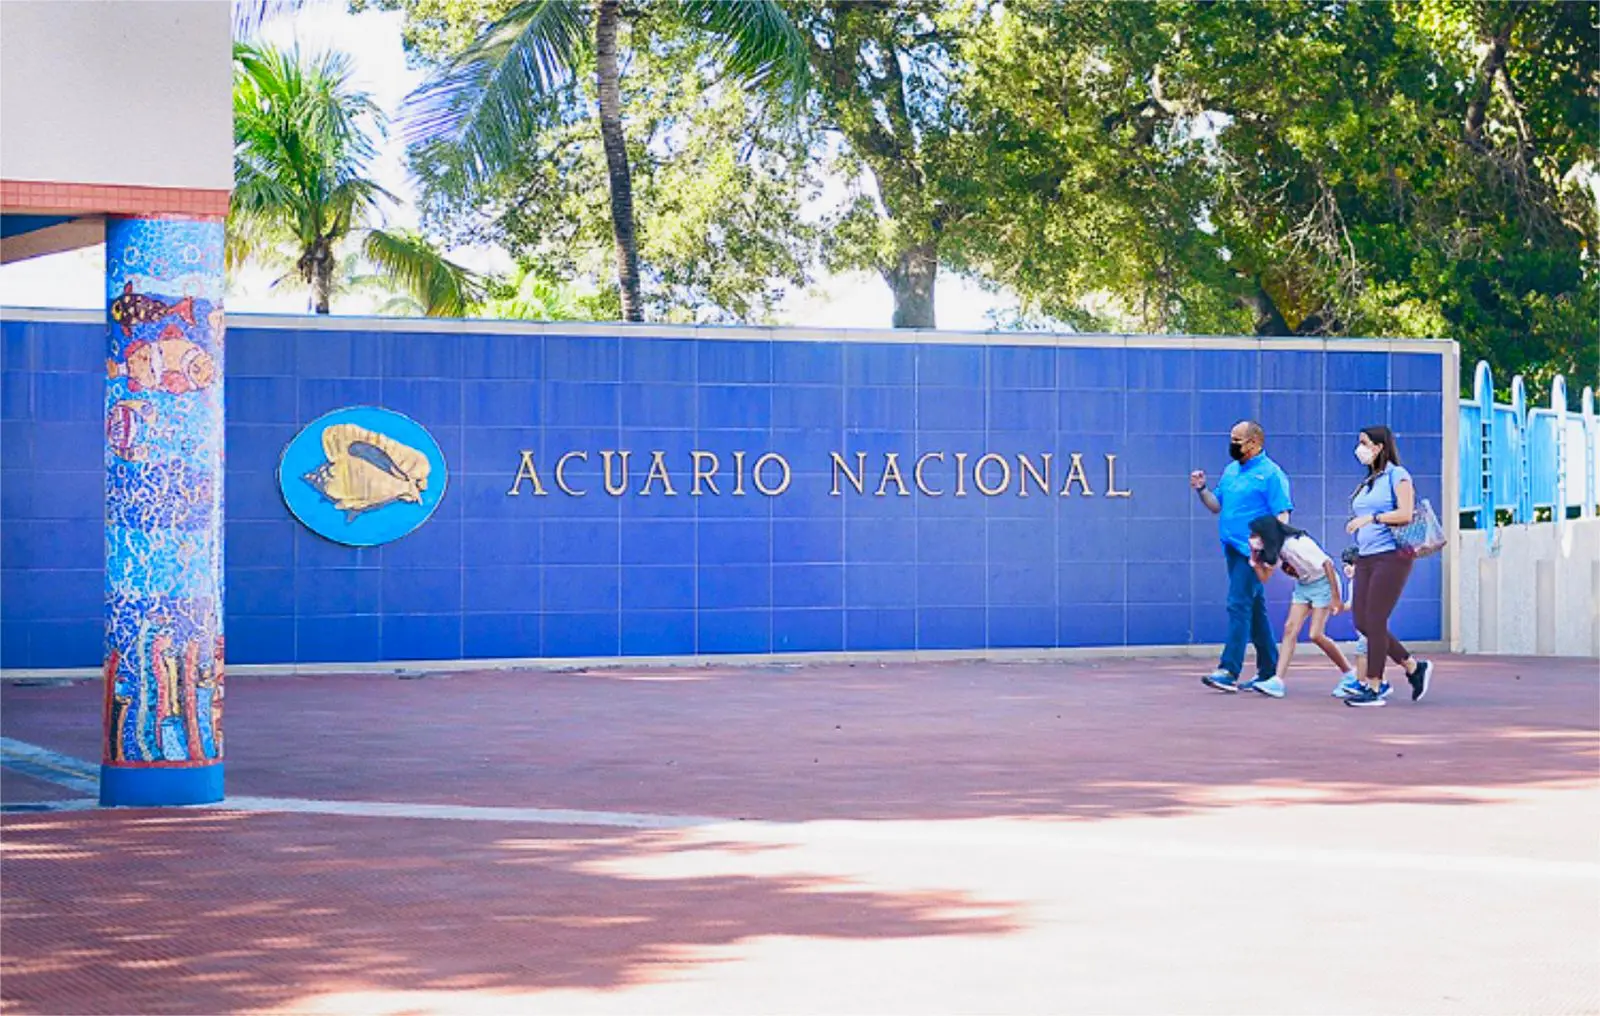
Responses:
[912,279]
[1488,69]
[608,77]
[316,267]
[1268,319]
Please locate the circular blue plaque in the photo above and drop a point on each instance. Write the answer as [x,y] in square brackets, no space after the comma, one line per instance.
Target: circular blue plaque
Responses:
[362,476]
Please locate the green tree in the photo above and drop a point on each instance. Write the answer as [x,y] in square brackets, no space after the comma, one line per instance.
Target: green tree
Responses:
[720,178]
[529,295]
[302,150]
[1302,168]
[887,82]
[491,96]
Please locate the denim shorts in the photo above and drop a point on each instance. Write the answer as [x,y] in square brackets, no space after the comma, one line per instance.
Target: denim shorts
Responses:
[1318,593]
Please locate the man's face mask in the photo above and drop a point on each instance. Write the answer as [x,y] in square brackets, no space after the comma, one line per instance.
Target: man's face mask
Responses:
[1236,450]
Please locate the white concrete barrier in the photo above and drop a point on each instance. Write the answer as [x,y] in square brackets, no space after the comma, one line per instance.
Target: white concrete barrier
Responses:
[1529,590]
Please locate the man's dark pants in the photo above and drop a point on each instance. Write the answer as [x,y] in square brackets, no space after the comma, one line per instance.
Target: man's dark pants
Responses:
[1247,619]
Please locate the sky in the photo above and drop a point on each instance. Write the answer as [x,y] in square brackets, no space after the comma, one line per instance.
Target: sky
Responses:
[372,38]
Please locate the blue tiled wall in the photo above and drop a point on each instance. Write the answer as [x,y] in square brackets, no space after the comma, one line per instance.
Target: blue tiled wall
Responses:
[497,576]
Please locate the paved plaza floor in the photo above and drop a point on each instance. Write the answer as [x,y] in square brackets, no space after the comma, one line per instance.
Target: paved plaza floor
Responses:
[921,838]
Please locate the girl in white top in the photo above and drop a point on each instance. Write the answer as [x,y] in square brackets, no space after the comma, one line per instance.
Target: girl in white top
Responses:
[1274,546]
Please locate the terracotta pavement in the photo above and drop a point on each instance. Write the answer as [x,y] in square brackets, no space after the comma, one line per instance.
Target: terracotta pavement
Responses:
[928,838]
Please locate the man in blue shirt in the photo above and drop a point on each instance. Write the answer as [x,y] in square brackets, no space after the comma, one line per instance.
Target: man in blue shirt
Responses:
[1251,486]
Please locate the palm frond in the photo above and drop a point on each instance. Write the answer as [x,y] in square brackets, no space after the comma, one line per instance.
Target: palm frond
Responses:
[536,297]
[756,40]
[302,144]
[256,240]
[349,199]
[334,110]
[250,15]
[480,101]
[442,287]
[401,305]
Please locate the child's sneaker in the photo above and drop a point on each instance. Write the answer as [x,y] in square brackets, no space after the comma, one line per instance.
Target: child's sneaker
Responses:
[1365,697]
[1348,686]
[1271,687]
[1221,681]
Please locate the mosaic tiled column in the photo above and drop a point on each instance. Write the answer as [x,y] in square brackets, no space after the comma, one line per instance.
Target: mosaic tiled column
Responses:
[164,485]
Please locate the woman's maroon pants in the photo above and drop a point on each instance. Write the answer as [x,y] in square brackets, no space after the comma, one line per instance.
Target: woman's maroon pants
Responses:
[1380,578]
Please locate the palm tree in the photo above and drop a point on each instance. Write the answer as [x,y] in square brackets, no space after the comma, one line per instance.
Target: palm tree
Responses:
[529,295]
[482,102]
[302,148]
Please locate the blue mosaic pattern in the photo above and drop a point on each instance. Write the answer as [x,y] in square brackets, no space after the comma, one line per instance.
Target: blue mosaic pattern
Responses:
[163,453]
[495,576]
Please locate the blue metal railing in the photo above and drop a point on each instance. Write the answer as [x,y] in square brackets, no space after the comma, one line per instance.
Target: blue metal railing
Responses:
[1525,461]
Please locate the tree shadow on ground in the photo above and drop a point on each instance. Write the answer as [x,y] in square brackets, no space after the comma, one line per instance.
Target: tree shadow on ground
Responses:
[112,911]
[914,741]
[211,912]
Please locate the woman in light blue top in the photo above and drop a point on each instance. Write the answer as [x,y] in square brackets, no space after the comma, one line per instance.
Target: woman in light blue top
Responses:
[1387,497]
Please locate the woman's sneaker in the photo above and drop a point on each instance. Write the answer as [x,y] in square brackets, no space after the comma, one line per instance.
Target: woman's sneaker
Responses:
[1419,679]
[1348,686]
[1222,681]
[1365,696]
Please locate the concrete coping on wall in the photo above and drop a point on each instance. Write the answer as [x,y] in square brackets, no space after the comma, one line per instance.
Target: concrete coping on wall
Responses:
[773,333]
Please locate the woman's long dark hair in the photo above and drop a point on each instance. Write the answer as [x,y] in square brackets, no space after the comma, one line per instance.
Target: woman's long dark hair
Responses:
[1273,533]
[1388,455]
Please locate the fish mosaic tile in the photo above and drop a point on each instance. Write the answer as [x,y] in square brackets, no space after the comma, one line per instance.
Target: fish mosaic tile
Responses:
[164,492]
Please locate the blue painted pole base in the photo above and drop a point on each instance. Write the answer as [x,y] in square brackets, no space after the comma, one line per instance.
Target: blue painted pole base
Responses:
[159,786]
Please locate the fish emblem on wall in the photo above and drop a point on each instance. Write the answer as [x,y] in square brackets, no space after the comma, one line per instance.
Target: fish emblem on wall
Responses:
[362,476]
[367,470]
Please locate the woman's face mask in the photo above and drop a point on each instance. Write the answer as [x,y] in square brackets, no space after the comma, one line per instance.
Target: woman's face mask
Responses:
[1365,453]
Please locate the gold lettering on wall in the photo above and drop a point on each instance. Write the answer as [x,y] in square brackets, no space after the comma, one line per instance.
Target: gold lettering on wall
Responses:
[856,478]
[755,474]
[891,474]
[525,471]
[1111,478]
[771,475]
[1076,473]
[916,474]
[561,470]
[658,471]
[708,476]
[619,486]
[1005,474]
[1026,468]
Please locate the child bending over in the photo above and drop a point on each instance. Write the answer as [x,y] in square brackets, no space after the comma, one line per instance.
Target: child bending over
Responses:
[1274,545]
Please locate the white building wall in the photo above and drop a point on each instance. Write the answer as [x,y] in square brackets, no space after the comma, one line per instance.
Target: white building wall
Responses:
[131,92]
[1534,592]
